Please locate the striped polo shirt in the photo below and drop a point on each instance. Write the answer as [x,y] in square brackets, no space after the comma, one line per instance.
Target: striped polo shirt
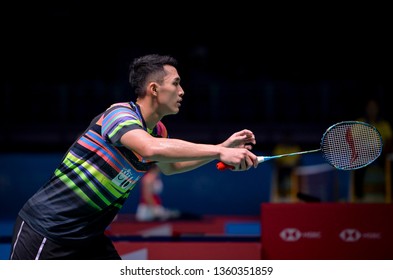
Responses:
[94,179]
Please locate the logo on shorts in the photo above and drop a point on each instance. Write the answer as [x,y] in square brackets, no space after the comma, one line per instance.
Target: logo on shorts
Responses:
[125,179]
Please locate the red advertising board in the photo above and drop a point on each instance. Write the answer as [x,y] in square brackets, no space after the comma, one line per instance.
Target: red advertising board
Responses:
[183,250]
[326,231]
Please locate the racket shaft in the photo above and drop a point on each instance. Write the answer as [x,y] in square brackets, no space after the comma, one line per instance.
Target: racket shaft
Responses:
[266,158]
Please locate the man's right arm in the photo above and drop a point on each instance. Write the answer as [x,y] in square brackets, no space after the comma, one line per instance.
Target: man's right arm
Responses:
[169,151]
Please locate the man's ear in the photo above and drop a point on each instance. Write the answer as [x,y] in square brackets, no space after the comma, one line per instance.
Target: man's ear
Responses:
[153,88]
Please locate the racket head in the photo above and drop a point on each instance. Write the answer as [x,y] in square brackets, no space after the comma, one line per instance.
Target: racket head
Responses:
[350,145]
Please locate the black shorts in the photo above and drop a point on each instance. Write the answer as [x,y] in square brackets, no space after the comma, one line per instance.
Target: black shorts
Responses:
[30,245]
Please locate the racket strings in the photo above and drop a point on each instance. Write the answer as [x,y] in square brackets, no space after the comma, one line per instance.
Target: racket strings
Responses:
[351,145]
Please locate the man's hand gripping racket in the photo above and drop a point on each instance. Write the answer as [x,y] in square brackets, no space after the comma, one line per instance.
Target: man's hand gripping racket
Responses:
[347,145]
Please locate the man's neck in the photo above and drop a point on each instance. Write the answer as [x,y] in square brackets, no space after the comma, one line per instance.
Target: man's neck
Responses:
[149,115]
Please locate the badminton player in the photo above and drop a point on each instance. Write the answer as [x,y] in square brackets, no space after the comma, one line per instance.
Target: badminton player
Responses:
[66,218]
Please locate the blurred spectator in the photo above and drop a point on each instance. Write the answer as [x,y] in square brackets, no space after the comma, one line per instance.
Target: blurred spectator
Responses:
[373,116]
[285,165]
[150,207]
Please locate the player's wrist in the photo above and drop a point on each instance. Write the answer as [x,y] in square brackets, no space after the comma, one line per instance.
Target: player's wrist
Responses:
[219,152]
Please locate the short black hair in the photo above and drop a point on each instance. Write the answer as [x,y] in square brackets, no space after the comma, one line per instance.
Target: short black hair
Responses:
[142,68]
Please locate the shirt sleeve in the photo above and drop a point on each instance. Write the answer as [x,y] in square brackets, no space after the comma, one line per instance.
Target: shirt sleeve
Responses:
[117,121]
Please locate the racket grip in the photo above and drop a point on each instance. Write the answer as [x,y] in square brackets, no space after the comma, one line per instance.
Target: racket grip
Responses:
[223,166]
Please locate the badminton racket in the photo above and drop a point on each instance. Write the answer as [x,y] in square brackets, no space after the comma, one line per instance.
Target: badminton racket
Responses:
[346,145]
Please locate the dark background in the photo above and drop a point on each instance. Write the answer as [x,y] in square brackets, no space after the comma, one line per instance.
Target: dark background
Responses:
[276,70]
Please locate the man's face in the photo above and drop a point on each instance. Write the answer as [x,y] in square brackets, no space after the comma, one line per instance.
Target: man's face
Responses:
[170,93]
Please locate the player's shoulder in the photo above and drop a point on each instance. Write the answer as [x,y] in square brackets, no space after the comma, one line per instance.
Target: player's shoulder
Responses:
[120,104]
[123,107]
